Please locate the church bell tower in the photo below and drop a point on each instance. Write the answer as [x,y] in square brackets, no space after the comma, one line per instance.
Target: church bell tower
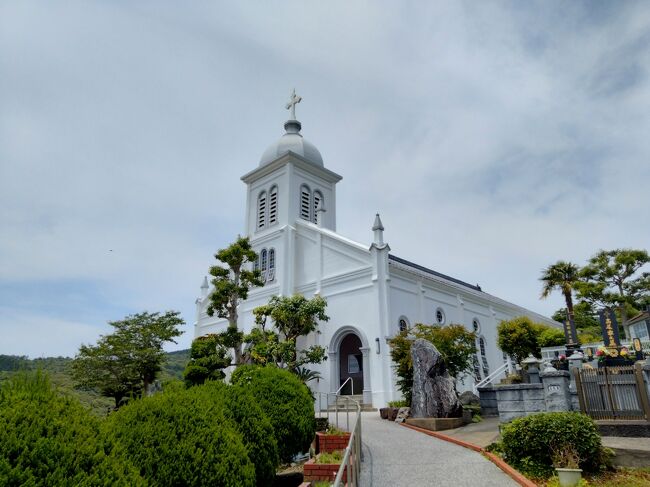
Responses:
[290,184]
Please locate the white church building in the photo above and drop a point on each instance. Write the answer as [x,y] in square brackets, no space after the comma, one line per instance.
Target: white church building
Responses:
[371,293]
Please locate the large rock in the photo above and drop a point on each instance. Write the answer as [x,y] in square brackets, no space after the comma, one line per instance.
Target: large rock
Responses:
[468,398]
[434,394]
[403,414]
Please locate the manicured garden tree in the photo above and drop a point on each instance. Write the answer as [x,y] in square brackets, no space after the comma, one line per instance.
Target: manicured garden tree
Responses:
[49,439]
[528,443]
[208,358]
[518,338]
[455,343]
[286,401]
[240,405]
[291,317]
[176,438]
[231,285]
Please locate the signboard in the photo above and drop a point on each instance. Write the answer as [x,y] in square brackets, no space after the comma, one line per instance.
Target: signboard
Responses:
[638,349]
[609,328]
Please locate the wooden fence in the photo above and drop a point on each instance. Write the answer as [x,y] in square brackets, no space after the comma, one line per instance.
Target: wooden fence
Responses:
[613,393]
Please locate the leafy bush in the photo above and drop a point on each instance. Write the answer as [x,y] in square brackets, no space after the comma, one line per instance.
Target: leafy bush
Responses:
[528,443]
[286,401]
[551,337]
[402,403]
[240,405]
[178,438]
[48,439]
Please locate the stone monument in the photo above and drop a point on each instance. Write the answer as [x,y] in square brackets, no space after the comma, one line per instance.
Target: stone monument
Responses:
[435,403]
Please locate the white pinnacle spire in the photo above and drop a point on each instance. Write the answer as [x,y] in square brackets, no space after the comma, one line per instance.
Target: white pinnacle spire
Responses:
[378,228]
[204,287]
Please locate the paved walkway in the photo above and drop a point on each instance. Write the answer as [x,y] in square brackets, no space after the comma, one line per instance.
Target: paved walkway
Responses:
[396,456]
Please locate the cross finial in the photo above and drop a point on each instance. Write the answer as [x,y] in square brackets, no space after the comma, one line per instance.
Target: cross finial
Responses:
[291,104]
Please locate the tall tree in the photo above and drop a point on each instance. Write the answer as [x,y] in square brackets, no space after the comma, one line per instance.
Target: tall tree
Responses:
[231,285]
[611,278]
[291,317]
[562,276]
[518,338]
[126,361]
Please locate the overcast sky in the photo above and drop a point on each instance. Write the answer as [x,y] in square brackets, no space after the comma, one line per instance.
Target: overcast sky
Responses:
[493,137]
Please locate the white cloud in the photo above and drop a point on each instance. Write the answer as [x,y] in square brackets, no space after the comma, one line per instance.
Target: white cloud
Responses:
[495,138]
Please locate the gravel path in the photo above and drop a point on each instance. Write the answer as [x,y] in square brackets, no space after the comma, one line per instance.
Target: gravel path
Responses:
[395,456]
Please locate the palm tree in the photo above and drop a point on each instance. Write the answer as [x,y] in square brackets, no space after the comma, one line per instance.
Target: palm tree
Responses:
[562,276]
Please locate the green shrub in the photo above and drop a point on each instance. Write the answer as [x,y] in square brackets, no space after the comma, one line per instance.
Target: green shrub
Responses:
[48,439]
[286,401]
[240,405]
[402,403]
[528,443]
[177,438]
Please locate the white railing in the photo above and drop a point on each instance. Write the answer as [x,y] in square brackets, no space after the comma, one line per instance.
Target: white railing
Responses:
[494,375]
[350,469]
[349,379]
[351,463]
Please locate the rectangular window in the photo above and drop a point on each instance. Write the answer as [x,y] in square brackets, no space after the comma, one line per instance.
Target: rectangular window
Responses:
[354,364]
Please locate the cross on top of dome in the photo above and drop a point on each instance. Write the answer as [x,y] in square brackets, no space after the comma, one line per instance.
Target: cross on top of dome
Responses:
[291,104]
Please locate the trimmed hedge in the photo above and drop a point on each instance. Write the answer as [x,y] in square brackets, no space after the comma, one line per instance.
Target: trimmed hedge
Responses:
[239,405]
[527,443]
[178,438]
[286,401]
[49,439]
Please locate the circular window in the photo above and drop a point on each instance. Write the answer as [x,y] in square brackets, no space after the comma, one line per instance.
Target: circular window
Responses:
[476,326]
[440,316]
[403,324]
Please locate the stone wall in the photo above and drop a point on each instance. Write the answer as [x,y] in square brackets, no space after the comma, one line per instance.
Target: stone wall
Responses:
[488,398]
[517,400]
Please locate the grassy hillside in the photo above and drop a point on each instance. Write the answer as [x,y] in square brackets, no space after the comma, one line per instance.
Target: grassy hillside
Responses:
[58,369]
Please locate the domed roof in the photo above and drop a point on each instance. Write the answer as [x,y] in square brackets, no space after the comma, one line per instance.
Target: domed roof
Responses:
[294,142]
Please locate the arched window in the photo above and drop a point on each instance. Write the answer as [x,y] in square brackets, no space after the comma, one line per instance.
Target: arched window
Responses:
[403,323]
[476,325]
[271,273]
[486,367]
[305,202]
[261,210]
[440,316]
[318,204]
[263,263]
[273,205]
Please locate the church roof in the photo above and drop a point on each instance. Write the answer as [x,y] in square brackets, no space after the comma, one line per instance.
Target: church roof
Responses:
[432,272]
[292,141]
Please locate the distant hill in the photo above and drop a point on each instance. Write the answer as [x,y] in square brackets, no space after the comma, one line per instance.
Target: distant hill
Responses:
[58,369]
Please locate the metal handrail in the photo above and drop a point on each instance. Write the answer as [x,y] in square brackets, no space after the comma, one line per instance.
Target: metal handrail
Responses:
[506,366]
[349,379]
[351,462]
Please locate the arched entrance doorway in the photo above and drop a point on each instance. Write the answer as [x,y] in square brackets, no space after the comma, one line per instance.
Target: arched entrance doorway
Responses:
[351,365]
[350,341]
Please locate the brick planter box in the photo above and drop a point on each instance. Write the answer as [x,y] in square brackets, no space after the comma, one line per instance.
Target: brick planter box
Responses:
[329,443]
[322,471]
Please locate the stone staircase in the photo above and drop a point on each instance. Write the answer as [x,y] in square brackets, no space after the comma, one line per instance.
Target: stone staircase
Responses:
[342,404]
